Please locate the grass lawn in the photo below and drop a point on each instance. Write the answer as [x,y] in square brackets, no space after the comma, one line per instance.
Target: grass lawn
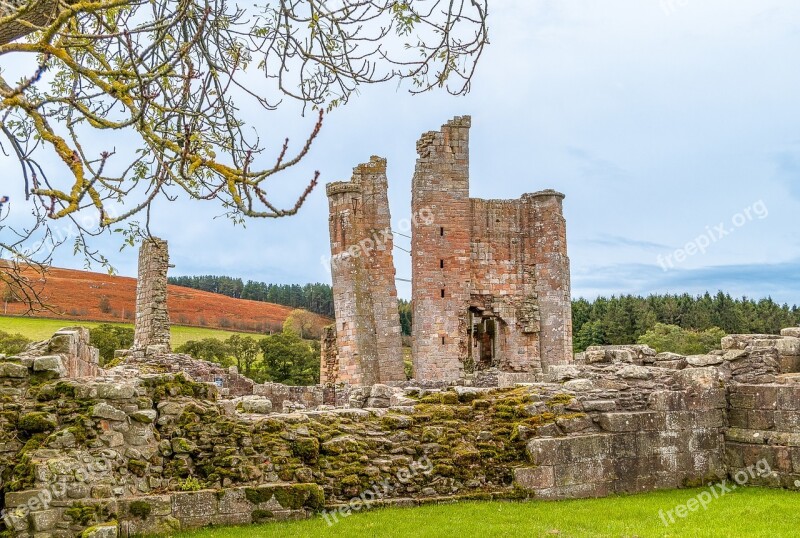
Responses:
[745,512]
[42,329]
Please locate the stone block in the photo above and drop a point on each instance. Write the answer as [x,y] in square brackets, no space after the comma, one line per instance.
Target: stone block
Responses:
[698,378]
[679,420]
[794,332]
[624,445]
[584,472]
[234,501]
[197,504]
[52,364]
[599,405]
[620,422]
[789,398]
[761,419]
[699,400]
[701,361]
[108,412]
[705,439]
[45,520]
[787,421]
[667,400]
[12,370]
[104,530]
[257,405]
[534,478]
[710,418]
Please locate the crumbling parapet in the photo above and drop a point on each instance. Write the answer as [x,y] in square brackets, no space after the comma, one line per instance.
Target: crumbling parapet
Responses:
[368,347]
[152,317]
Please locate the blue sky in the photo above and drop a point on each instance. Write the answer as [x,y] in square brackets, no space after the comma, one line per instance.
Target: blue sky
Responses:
[659,119]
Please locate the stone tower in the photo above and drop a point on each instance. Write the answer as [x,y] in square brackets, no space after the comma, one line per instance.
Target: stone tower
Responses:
[491,284]
[441,252]
[152,317]
[368,346]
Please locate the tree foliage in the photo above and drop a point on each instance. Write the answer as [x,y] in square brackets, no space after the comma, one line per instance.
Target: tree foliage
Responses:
[108,338]
[173,83]
[304,324]
[290,360]
[683,341]
[624,319]
[281,357]
[316,298]
[11,344]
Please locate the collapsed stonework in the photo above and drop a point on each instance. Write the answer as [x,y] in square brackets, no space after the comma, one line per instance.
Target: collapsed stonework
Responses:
[139,449]
[490,278]
[152,317]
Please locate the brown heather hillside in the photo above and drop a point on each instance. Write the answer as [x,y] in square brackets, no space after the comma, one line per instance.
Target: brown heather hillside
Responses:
[86,296]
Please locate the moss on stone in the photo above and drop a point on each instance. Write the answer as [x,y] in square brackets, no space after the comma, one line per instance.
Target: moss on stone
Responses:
[55,391]
[137,467]
[167,386]
[83,514]
[289,496]
[306,448]
[262,516]
[140,509]
[559,399]
[36,422]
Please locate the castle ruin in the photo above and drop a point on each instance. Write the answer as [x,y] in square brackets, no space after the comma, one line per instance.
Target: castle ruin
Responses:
[490,278]
[152,317]
[368,342]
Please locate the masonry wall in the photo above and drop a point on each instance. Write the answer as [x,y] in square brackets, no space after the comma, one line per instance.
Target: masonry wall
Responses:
[365,296]
[441,252]
[152,318]
[500,264]
[765,425]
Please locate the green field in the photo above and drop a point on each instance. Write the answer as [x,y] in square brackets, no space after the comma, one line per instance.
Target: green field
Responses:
[42,329]
[745,512]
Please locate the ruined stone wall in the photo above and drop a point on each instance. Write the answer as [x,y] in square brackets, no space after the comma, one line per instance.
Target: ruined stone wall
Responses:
[547,250]
[365,296]
[114,455]
[500,264]
[152,317]
[441,253]
[764,425]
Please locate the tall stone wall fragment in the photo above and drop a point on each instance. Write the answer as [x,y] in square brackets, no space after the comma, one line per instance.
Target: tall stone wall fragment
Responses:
[365,296]
[152,317]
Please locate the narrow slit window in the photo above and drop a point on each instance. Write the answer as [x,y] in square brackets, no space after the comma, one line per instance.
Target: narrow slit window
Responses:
[441,231]
[442,293]
[443,340]
[441,264]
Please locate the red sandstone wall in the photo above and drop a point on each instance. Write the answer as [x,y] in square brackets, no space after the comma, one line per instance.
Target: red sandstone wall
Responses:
[505,258]
[365,295]
[441,295]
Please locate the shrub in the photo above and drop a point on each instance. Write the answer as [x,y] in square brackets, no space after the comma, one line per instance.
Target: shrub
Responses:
[11,344]
[104,305]
[672,338]
[109,338]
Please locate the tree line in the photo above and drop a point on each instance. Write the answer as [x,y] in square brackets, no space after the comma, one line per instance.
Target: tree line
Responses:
[316,297]
[625,319]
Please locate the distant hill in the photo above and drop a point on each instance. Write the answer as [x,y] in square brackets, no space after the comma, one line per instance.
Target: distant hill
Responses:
[86,296]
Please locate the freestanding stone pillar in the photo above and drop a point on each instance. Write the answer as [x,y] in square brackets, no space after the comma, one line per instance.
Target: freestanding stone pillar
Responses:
[152,317]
